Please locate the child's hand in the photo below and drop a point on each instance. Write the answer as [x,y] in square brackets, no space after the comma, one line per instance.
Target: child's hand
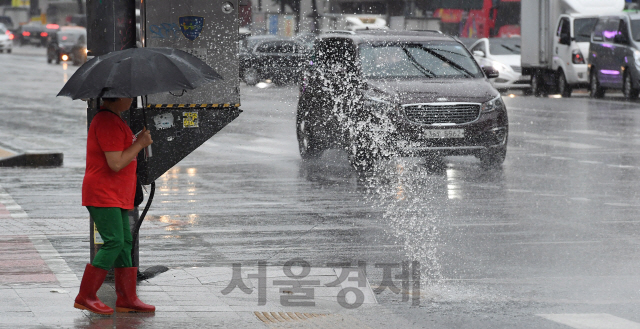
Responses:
[144,137]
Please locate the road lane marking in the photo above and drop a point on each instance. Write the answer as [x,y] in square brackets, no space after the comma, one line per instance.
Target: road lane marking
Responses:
[620,221]
[554,242]
[571,145]
[481,224]
[621,166]
[591,321]
[620,204]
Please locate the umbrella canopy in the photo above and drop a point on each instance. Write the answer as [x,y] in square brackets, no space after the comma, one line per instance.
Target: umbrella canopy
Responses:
[138,71]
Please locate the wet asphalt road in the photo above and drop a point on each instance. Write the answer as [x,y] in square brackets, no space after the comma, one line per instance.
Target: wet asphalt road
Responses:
[555,231]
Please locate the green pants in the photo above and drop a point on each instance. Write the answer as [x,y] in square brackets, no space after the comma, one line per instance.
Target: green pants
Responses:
[113,226]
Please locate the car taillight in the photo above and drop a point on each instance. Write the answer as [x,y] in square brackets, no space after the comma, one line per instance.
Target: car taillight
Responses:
[44,34]
[576,57]
[11,36]
[26,33]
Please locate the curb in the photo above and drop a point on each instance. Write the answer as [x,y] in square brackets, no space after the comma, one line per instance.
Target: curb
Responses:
[33,160]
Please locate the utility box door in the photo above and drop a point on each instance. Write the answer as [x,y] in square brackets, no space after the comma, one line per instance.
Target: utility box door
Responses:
[208,29]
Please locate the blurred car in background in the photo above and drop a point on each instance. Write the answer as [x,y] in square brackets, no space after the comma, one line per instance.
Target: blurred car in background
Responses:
[68,44]
[307,39]
[6,39]
[280,60]
[35,33]
[503,54]
[614,55]
[247,43]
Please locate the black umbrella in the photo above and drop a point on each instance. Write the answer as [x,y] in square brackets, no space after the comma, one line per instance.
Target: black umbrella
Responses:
[138,71]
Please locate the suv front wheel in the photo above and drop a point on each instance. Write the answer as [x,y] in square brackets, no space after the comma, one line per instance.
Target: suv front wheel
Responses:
[564,88]
[627,87]
[308,145]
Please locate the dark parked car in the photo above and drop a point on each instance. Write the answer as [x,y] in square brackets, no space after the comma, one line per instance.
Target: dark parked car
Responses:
[279,60]
[614,55]
[36,34]
[68,44]
[307,39]
[381,93]
[247,43]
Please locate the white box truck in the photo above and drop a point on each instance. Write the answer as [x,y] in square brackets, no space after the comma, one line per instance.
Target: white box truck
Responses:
[555,38]
[19,16]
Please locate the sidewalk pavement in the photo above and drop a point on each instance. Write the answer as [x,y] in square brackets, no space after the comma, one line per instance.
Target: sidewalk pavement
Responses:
[37,289]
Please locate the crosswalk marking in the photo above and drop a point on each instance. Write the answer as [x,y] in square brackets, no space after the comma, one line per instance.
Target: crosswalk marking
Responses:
[591,321]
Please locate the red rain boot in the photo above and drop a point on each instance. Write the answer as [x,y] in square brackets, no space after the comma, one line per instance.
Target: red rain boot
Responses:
[126,280]
[87,300]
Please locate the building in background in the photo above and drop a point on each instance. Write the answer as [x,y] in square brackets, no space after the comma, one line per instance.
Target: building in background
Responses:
[468,18]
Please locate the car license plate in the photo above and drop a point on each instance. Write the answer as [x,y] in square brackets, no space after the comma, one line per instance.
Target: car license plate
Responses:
[443,133]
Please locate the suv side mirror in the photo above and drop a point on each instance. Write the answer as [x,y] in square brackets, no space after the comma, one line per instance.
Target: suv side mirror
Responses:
[490,72]
[479,53]
[565,39]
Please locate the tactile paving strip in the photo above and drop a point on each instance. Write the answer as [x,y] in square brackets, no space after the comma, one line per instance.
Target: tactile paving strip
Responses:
[308,320]
[276,317]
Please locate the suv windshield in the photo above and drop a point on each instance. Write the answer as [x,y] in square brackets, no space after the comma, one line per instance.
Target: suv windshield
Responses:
[504,46]
[417,60]
[582,28]
[69,38]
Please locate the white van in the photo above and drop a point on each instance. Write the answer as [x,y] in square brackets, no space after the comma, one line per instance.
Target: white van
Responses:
[570,45]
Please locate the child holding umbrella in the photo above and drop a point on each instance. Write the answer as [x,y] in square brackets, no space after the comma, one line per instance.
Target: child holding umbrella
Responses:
[108,191]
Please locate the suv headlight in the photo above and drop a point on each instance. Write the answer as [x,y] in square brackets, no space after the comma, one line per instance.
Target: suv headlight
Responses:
[492,105]
[377,105]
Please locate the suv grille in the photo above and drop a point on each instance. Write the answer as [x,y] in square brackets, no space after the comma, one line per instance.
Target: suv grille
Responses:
[448,113]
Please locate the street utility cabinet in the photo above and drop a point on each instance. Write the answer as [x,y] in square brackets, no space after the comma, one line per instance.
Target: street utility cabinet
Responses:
[180,121]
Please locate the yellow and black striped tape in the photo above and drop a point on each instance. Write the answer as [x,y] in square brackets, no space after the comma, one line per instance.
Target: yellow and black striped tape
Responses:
[187,106]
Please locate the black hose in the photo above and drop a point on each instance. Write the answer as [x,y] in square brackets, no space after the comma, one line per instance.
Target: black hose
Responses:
[136,229]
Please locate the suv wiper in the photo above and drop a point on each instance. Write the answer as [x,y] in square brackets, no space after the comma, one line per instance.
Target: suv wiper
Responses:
[418,66]
[444,59]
